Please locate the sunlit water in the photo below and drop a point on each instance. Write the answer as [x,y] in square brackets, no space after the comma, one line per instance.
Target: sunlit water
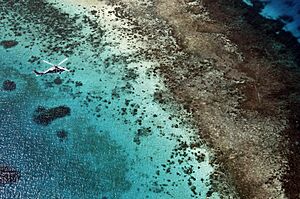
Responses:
[119,142]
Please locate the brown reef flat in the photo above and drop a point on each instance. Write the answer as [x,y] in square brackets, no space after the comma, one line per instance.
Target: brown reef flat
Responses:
[245,100]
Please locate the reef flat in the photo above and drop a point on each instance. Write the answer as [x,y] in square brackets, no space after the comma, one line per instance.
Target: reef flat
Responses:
[255,127]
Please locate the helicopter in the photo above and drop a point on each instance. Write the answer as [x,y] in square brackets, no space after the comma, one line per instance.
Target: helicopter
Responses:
[55,68]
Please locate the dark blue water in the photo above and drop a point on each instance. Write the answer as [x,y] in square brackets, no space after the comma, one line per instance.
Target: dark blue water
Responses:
[287,11]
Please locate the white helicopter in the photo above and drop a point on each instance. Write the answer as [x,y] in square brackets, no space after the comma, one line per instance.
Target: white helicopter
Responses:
[56,68]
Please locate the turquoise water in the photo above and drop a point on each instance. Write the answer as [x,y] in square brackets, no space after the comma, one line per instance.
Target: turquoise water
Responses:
[118,142]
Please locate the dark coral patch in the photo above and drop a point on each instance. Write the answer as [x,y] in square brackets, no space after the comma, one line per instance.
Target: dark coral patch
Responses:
[58,81]
[9,85]
[8,175]
[45,116]
[143,132]
[62,134]
[8,43]
[77,83]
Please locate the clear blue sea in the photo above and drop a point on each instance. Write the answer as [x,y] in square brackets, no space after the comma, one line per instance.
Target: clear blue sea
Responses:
[117,141]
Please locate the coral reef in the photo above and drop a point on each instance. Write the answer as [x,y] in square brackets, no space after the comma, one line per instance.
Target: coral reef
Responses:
[62,134]
[8,43]
[45,116]
[58,81]
[9,85]
[8,175]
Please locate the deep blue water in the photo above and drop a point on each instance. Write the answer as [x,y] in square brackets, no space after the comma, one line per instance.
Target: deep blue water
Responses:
[287,11]
[118,142]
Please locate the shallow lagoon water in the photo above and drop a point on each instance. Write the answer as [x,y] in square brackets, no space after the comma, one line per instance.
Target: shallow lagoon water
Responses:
[119,141]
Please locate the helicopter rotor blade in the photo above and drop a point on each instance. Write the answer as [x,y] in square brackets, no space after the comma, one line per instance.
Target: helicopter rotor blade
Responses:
[48,62]
[62,61]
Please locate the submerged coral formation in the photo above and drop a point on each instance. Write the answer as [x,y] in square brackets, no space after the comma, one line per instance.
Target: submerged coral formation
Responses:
[62,134]
[45,116]
[8,175]
[8,43]
[9,85]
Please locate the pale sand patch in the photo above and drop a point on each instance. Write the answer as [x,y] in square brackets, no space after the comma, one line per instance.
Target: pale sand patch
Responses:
[87,3]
